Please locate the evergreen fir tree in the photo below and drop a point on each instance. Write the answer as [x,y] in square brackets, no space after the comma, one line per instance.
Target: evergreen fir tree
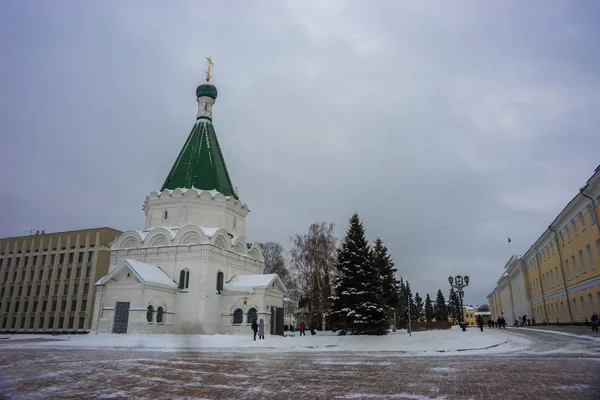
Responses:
[428,308]
[356,305]
[418,307]
[441,309]
[454,306]
[384,267]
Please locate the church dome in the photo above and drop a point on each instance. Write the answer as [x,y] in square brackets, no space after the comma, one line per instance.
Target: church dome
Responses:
[208,90]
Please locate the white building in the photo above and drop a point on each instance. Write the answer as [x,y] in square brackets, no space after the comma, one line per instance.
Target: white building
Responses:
[190,270]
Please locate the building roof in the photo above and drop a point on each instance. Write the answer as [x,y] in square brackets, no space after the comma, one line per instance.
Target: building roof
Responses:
[247,283]
[200,163]
[146,273]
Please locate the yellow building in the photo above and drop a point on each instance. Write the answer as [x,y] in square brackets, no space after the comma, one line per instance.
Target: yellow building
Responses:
[558,279]
[47,280]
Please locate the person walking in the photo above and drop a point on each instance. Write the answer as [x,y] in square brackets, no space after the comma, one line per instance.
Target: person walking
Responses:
[261,329]
[302,328]
[595,321]
[254,327]
[480,322]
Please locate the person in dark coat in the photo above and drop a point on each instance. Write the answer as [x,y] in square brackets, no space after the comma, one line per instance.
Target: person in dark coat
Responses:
[254,327]
[595,321]
[480,322]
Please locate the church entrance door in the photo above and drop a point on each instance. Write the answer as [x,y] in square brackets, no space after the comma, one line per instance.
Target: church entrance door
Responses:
[121,317]
[273,322]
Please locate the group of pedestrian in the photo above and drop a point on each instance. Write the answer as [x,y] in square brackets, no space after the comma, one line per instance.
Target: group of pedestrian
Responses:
[259,328]
[595,322]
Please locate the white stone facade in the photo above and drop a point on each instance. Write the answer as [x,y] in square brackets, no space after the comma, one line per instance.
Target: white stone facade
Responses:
[176,243]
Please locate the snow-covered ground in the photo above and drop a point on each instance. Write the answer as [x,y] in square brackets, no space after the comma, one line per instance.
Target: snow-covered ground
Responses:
[435,342]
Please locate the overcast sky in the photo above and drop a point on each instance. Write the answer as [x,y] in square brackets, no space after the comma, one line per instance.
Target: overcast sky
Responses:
[447,126]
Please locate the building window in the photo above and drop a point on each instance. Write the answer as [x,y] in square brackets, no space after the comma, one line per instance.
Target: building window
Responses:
[81,322]
[66,291]
[20,291]
[64,306]
[76,289]
[556,273]
[220,278]
[567,269]
[47,290]
[575,270]
[238,316]
[90,256]
[68,273]
[80,258]
[184,279]
[28,290]
[71,257]
[83,305]
[86,288]
[59,274]
[73,305]
[581,261]
[159,315]
[71,321]
[62,258]
[149,316]
[574,227]
[166,214]
[44,306]
[575,308]
[568,234]
[35,304]
[44,259]
[582,219]
[31,275]
[54,305]
[251,315]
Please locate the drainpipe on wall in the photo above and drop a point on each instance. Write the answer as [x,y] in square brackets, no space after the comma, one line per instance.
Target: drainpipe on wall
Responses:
[541,285]
[594,213]
[563,272]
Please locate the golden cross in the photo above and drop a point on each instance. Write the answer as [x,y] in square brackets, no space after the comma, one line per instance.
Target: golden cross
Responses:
[210,64]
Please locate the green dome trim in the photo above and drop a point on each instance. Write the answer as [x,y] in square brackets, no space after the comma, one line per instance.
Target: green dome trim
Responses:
[200,163]
[208,90]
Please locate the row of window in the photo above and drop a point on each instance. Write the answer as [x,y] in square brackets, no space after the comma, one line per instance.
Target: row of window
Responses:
[34,307]
[11,291]
[160,315]
[40,325]
[550,248]
[572,268]
[238,316]
[49,275]
[27,251]
[184,280]
[557,310]
[80,259]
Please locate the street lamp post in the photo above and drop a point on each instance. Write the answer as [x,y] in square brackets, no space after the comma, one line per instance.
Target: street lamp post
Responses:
[459,283]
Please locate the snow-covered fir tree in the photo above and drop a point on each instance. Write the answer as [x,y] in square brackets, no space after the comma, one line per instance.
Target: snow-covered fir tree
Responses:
[356,304]
[401,313]
[418,313]
[428,308]
[454,306]
[441,309]
[389,285]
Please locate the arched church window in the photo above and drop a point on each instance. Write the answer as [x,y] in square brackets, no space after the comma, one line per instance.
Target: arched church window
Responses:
[251,315]
[220,278]
[159,315]
[184,279]
[238,316]
[149,315]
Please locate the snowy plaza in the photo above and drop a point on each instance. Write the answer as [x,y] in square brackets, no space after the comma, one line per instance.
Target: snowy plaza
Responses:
[427,365]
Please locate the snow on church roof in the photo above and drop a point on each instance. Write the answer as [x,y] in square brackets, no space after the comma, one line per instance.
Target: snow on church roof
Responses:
[247,283]
[148,274]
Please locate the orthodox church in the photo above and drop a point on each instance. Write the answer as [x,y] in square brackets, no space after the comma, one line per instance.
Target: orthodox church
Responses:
[191,269]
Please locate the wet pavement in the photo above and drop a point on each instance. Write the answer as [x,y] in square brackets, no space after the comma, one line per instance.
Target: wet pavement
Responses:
[553,367]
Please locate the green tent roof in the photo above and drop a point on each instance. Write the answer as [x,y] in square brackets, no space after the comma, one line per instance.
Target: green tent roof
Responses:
[200,163]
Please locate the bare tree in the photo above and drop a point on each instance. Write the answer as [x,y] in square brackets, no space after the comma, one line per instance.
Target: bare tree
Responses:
[313,257]
[274,255]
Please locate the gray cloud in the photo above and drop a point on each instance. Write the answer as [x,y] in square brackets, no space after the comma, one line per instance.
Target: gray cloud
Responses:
[438,124]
